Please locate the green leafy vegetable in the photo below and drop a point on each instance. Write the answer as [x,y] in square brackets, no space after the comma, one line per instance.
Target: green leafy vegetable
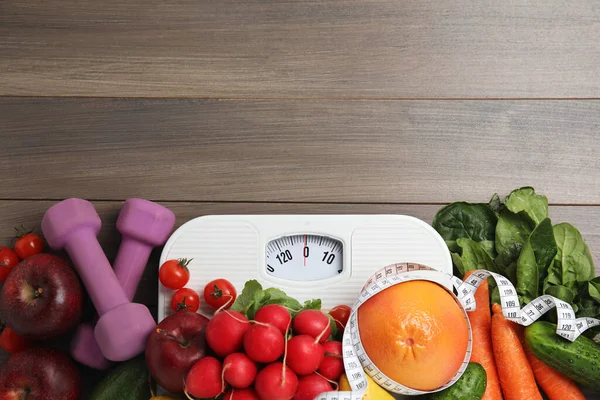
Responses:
[496,204]
[525,199]
[253,297]
[471,256]
[573,263]
[244,300]
[533,262]
[512,232]
[473,221]
[561,292]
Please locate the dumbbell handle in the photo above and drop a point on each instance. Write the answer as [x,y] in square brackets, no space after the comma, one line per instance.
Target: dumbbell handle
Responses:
[95,271]
[130,264]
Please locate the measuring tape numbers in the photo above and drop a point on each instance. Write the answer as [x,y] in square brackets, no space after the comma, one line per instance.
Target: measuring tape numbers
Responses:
[357,362]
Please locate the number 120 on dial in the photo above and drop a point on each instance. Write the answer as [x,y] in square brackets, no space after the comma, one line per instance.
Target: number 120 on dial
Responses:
[304,257]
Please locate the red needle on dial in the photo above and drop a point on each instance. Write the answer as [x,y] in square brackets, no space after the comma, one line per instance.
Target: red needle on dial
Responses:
[304,251]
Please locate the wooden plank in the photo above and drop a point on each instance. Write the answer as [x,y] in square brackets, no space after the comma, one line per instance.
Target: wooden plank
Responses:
[298,151]
[29,213]
[299,48]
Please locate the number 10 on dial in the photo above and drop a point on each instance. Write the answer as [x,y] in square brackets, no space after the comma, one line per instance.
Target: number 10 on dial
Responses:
[304,257]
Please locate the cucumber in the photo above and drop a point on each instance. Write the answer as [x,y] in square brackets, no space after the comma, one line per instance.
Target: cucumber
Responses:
[127,381]
[470,386]
[578,360]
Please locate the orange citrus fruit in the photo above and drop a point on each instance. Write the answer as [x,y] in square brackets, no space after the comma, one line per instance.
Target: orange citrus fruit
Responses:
[415,333]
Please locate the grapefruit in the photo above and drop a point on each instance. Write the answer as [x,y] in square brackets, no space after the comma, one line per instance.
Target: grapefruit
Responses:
[415,333]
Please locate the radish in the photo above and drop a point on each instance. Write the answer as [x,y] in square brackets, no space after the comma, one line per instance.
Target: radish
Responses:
[204,379]
[332,366]
[241,394]
[239,370]
[312,323]
[225,332]
[264,343]
[274,314]
[304,354]
[276,382]
[310,386]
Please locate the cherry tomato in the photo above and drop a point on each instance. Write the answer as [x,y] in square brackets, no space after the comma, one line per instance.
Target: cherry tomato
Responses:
[174,274]
[12,342]
[219,293]
[340,314]
[8,259]
[28,244]
[185,300]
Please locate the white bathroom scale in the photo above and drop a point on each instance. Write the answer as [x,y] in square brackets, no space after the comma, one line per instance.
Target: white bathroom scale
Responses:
[329,257]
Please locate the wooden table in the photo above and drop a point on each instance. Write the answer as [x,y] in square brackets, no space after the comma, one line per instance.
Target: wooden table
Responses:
[222,106]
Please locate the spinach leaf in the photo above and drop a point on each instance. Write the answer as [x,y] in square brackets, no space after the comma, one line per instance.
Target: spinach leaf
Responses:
[496,204]
[561,292]
[573,263]
[473,221]
[533,262]
[512,232]
[525,199]
[472,255]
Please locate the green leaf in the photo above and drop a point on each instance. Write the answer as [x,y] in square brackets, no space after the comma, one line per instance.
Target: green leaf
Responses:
[594,289]
[496,204]
[561,292]
[512,231]
[244,300]
[253,297]
[473,221]
[533,262]
[573,263]
[472,256]
[334,329]
[525,199]
[314,304]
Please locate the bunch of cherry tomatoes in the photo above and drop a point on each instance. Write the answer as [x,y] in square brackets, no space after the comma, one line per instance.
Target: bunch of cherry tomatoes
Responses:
[174,274]
[25,244]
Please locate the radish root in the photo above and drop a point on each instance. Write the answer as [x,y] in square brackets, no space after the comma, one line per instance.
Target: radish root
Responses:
[337,385]
[318,339]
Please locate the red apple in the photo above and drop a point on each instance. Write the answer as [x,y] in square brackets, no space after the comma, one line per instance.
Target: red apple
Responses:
[41,374]
[174,346]
[41,298]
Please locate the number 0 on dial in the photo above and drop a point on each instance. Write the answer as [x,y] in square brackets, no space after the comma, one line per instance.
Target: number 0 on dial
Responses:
[304,257]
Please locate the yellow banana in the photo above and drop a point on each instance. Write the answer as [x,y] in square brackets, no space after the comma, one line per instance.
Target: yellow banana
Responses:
[374,391]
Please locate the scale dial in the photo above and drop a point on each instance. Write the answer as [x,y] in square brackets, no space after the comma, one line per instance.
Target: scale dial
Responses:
[304,257]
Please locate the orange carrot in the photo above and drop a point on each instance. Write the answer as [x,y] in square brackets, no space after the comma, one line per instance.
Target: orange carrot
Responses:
[553,383]
[514,371]
[481,325]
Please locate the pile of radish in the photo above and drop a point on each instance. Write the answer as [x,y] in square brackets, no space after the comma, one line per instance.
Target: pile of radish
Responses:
[272,357]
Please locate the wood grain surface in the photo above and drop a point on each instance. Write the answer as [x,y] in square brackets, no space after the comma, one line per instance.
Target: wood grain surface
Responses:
[298,151]
[300,48]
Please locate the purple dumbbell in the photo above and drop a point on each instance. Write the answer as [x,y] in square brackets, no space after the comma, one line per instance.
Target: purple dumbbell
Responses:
[123,327]
[143,225]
